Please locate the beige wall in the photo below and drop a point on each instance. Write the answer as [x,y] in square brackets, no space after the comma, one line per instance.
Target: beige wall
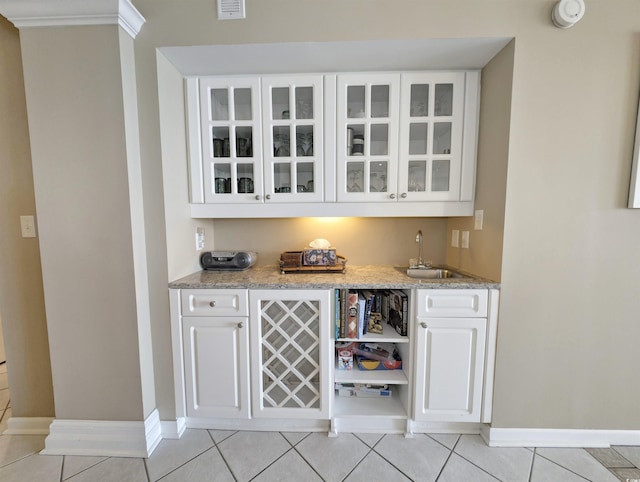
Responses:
[566,333]
[84,185]
[484,255]
[21,295]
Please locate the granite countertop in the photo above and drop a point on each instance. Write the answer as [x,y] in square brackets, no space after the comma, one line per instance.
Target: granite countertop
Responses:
[355,277]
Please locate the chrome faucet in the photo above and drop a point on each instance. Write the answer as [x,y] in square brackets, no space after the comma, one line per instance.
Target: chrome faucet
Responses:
[419,241]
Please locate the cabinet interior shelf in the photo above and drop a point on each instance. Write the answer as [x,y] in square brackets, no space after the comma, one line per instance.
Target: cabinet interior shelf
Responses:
[378,377]
[388,407]
[388,335]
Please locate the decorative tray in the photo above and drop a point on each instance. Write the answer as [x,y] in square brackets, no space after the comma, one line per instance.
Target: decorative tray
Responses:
[292,262]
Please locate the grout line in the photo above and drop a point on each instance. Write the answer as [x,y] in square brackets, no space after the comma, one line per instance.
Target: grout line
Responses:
[562,466]
[471,462]
[533,460]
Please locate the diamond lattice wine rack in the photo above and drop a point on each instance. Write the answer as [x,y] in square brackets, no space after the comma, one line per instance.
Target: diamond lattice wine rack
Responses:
[290,347]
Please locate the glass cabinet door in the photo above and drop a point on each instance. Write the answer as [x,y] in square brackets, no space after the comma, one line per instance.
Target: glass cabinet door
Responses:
[293,147]
[231,139]
[367,137]
[431,116]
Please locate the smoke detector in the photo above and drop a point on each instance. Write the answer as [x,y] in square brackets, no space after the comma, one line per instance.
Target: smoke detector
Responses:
[231,9]
[567,13]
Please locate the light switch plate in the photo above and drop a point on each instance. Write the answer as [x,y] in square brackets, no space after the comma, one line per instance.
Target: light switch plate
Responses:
[455,238]
[465,239]
[28,226]
[479,220]
[199,238]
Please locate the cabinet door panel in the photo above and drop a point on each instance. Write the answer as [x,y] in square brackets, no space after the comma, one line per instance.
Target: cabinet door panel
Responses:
[231,139]
[216,367]
[449,369]
[292,116]
[291,354]
[431,136]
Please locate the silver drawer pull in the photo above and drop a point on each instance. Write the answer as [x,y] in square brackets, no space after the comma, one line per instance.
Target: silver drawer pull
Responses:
[423,324]
[392,196]
[212,304]
[403,195]
[240,325]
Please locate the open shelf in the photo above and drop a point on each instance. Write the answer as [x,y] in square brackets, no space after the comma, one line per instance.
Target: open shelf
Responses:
[388,335]
[376,377]
[389,407]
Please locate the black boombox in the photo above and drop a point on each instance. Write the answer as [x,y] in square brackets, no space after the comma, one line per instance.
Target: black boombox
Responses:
[228,260]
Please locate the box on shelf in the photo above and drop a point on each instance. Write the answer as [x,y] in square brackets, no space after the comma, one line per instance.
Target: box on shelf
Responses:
[344,351]
[384,352]
[367,364]
[362,390]
[319,257]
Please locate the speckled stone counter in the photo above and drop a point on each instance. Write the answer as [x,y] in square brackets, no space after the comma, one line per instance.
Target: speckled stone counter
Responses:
[354,277]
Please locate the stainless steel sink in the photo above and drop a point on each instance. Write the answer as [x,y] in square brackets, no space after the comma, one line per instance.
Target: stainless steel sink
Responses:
[432,273]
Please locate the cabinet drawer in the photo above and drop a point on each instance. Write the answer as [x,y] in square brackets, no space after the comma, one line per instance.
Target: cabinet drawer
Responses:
[215,303]
[443,303]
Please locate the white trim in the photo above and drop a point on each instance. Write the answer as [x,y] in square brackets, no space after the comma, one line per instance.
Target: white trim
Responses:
[62,13]
[28,426]
[173,429]
[533,437]
[104,438]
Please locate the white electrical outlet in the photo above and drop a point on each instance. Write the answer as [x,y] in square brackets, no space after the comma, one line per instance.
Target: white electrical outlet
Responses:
[199,238]
[465,239]
[479,220]
[28,226]
[455,238]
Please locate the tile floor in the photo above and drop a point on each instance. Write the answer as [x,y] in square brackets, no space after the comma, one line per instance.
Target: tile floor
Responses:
[216,455]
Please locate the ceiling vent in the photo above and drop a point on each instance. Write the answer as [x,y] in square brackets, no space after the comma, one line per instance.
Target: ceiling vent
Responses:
[231,9]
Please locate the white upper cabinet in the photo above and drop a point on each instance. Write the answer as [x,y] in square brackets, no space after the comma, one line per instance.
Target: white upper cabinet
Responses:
[367,137]
[292,117]
[231,139]
[346,144]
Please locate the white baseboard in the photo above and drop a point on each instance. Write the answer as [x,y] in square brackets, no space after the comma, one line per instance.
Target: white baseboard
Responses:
[532,437]
[174,429]
[28,426]
[104,438]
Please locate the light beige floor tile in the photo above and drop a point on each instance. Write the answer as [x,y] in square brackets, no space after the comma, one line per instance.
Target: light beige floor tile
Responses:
[512,464]
[546,471]
[420,458]
[15,447]
[449,440]
[294,438]
[374,467]
[73,465]
[332,457]
[34,468]
[291,467]
[5,397]
[249,453]
[208,467]
[370,438]
[632,454]
[4,420]
[114,469]
[219,435]
[4,380]
[458,469]
[171,454]
[609,457]
[578,461]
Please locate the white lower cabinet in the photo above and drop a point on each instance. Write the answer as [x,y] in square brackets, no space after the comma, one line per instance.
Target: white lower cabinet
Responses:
[215,346]
[450,333]
[449,369]
[216,366]
[290,353]
[265,358]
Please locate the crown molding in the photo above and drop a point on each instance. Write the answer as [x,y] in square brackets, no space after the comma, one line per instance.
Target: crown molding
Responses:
[63,13]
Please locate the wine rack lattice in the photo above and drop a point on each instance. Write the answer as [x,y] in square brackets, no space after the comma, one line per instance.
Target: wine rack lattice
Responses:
[290,347]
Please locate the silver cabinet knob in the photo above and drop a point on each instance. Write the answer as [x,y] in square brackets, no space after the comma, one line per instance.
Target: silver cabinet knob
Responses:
[392,196]
[257,197]
[403,195]
[212,304]
[268,196]
[423,324]
[240,325]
